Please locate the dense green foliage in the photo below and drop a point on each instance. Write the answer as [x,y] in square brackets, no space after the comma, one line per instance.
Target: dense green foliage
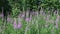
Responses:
[23,5]
[32,3]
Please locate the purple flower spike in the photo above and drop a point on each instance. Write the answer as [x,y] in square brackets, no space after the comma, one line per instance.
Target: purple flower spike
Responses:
[56,26]
[14,24]
[28,19]
[8,19]
[19,25]
[22,15]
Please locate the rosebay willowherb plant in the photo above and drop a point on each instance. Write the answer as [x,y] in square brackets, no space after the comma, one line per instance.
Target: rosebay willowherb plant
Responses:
[57,20]
[15,24]
[36,24]
[28,19]
[19,25]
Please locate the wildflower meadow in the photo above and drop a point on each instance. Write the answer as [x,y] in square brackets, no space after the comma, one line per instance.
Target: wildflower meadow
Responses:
[29,16]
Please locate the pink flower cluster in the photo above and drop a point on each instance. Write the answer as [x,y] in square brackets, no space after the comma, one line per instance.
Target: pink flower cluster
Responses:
[28,19]
[19,25]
